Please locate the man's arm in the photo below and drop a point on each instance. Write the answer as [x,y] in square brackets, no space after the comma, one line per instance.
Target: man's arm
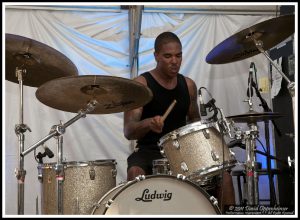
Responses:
[134,127]
[193,112]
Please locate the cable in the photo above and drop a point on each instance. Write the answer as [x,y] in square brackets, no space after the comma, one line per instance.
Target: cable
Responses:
[207,92]
[263,147]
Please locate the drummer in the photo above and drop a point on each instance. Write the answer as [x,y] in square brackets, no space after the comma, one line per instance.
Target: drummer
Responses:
[147,124]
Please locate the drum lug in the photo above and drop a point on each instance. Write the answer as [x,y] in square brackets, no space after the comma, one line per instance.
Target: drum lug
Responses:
[40,173]
[77,207]
[92,173]
[176,144]
[140,177]
[184,167]
[108,203]
[181,176]
[215,156]
[214,201]
[114,172]
[162,152]
[206,133]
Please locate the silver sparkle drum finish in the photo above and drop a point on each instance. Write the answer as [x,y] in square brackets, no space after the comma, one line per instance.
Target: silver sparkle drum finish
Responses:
[197,151]
[157,195]
[85,182]
[161,166]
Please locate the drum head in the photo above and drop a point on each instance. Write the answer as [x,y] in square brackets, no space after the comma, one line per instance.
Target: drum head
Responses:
[160,195]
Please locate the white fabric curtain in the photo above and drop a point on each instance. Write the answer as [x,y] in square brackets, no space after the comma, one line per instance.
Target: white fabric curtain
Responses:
[98,44]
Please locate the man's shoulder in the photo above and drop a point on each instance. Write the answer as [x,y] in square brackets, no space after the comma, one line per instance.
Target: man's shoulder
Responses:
[141,79]
[188,80]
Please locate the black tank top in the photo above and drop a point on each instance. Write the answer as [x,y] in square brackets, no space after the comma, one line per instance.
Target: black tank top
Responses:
[162,98]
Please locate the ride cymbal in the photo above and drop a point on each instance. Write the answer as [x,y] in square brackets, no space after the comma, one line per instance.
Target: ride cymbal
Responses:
[113,94]
[41,62]
[240,45]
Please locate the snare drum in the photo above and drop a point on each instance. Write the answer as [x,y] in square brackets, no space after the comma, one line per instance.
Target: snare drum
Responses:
[84,183]
[196,151]
[157,195]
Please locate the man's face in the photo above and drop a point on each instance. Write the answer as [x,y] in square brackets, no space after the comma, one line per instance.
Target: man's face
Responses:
[169,58]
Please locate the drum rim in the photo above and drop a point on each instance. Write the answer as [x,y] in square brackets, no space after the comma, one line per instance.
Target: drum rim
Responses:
[187,129]
[210,171]
[96,206]
[178,177]
[105,162]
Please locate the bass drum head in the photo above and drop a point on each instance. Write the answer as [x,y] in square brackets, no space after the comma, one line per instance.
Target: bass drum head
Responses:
[160,194]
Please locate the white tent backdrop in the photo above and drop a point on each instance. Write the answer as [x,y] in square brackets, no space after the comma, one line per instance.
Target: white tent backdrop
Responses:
[97,43]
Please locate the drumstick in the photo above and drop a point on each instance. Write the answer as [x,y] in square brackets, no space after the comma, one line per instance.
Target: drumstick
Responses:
[169,110]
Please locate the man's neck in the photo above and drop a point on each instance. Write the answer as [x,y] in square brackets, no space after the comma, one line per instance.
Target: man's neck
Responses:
[163,79]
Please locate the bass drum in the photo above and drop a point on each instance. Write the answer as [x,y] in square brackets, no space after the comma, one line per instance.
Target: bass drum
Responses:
[156,195]
[84,183]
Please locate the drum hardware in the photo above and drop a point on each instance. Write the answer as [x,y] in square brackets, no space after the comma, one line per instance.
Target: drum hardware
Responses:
[77,206]
[215,156]
[249,137]
[57,131]
[92,173]
[206,133]
[27,62]
[213,200]
[184,167]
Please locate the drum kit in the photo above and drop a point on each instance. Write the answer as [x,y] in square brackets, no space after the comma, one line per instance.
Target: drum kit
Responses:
[194,154]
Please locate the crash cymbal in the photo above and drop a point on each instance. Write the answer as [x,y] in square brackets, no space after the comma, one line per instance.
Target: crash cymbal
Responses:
[253,117]
[114,94]
[240,45]
[41,62]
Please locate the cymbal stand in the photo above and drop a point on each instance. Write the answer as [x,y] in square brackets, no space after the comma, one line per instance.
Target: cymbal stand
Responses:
[58,131]
[267,137]
[251,165]
[20,129]
[291,85]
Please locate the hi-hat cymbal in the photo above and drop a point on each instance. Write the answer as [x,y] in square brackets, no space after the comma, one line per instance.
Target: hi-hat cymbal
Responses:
[240,45]
[253,117]
[114,94]
[41,62]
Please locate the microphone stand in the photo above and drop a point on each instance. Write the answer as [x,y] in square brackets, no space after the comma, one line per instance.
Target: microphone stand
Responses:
[267,137]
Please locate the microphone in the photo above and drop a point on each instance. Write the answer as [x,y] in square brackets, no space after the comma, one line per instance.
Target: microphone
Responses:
[48,152]
[203,111]
[250,80]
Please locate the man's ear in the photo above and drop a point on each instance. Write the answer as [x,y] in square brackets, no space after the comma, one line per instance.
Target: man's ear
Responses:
[155,56]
